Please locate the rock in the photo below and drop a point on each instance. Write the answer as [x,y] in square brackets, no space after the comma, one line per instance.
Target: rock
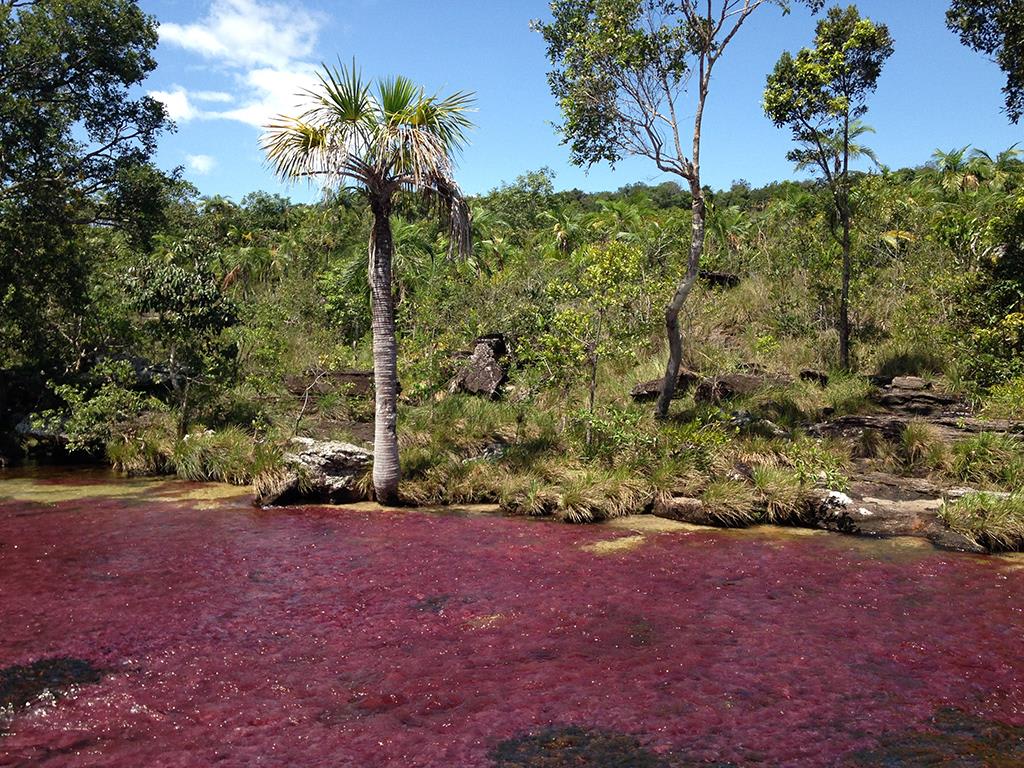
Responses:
[831,511]
[485,372]
[910,382]
[325,471]
[855,425]
[719,279]
[47,435]
[883,506]
[730,385]
[915,402]
[749,424]
[818,377]
[352,382]
[648,391]
[684,509]
[952,494]
[755,368]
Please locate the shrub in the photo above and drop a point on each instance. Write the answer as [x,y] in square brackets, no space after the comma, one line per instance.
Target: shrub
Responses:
[781,493]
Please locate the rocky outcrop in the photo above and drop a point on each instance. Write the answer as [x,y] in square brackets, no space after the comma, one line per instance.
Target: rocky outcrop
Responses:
[912,396]
[486,370]
[731,385]
[316,471]
[351,382]
[883,506]
[648,391]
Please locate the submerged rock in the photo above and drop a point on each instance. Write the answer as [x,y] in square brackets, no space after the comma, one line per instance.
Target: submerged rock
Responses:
[324,471]
[574,747]
[21,685]
[486,371]
[950,737]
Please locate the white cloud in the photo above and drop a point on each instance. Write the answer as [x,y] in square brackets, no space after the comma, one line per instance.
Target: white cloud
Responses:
[201,164]
[217,96]
[263,43]
[176,101]
[273,92]
[248,33]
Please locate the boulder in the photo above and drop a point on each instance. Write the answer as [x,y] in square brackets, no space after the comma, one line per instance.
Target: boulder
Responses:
[730,385]
[486,370]
[910,382]
[316,471]
[719,279]
[685,509]
[353,382]
[748,423]
[818,377]
[648,391]
[853,427]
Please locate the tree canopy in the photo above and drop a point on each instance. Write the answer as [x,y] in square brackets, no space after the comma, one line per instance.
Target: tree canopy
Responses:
[75,145]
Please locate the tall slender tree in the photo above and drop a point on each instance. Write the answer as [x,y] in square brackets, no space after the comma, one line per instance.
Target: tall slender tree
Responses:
[820,95]
[382,141]
[620,72]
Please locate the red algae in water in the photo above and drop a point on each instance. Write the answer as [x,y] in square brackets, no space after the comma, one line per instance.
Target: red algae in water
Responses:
[326,637]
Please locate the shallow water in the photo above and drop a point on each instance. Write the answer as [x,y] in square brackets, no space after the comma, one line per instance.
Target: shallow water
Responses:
[217,633]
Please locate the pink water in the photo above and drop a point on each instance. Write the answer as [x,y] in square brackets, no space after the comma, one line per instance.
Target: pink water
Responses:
[323,637]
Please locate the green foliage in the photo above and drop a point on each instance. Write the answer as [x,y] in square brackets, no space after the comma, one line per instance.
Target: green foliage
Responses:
[186,318]
[922,447]
[1005,400]
[820,89]
[76,144]
[105,408]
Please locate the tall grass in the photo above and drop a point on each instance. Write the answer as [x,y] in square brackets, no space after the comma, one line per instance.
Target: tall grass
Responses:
[992,521]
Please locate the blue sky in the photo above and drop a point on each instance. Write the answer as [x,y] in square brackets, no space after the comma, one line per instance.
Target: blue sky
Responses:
[226,66]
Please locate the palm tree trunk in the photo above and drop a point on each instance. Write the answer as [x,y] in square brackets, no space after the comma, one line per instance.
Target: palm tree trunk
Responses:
[386,470]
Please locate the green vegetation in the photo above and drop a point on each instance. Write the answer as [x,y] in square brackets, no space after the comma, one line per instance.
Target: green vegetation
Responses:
[821,95]
[198,335]
[995,522]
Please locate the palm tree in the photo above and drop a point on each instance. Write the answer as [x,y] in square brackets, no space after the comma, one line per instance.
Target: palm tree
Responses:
[955,171]
[996,171]
[394,138]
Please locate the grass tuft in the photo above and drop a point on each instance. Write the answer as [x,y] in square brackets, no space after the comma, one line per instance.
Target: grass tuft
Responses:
[992,521]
